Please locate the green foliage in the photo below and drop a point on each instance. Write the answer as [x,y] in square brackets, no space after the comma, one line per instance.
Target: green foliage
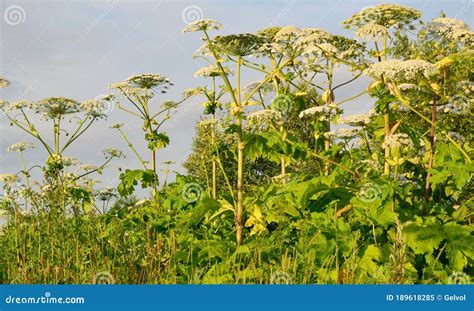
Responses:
[130,178]
[317,204]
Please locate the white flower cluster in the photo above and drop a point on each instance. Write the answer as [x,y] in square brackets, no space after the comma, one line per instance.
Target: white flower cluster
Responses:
[397,141]
[87,167]
[21,104]
[211,71]
[94,107]
[372,32]
[54,107]
[4,83]
[70,161]
[206,124]
[8,179]
[450,28]
[357,119]
[387,15]
[265,88]
[202,25]
[264,116]
[342,133]
[143,85]
[287,34]
[113,153]
[21,146]
[402,71]
[194,91]
[117,126]
[319,110]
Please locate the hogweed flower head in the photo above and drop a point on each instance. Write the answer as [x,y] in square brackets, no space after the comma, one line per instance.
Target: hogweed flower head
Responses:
[143,85]
[87,167]
[113,153]
[202,25]
[211,71]
[342,133]
[4,83]
[265,116]
[243,44]
[397,141]
[8,179]
[21,104]
[387,15]
[402,71]
[70,161]
[287,34]
[117,126]
[54,107]
[356,119]
[106,193]
[264,88]
[21,146]
[187,93]
[151,81]
[319,110]
[372,32]
[94,108]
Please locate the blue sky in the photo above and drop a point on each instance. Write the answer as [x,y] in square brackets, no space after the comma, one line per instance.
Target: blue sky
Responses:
[76,48]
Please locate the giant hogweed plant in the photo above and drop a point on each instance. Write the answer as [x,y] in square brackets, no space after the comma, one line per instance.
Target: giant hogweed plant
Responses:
[66,183]
[138,91]
[342,219]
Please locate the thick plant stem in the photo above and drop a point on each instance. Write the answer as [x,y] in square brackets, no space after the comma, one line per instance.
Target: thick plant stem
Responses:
[329,100]
[240,163]
[386,168]
[214,164]
[432,145]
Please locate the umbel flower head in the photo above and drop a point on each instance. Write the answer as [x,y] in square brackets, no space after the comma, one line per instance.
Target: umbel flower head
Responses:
[372,32]
[211,71]
[443,28]
[202,25]
[386,15]
[143,85]
[21,146]
[287,34]
[342,133]
[151,81]
[357,119]
[187,93]
[402,71]
[8,179]
[397,141]
[268,34]
[239,44]
[54,107]
[264,88]
[4,83]
[113,153]
[94,107]
[265,116]
[318,110]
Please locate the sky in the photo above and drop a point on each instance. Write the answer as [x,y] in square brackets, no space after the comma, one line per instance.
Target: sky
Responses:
[77,48]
